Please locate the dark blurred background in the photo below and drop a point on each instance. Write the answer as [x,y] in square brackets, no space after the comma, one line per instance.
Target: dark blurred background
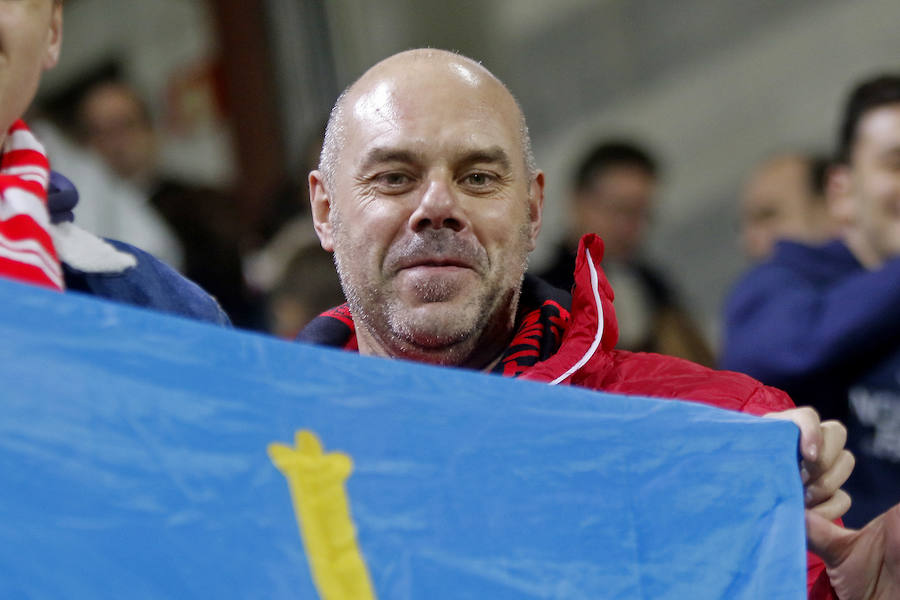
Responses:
[238,91]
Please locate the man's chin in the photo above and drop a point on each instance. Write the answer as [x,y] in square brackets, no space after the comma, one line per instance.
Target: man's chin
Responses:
[434,325]
[435,285]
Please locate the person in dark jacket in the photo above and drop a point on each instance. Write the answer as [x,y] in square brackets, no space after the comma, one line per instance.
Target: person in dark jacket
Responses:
[612,194]
[114,121]
[429,197]
[823,322]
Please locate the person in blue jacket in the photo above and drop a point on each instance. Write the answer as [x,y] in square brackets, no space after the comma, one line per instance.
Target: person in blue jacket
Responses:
[823,322]
[117,271]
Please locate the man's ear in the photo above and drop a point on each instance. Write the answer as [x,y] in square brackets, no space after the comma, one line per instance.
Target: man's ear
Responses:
[839,196]
[320,203]
[54,36]
[536,206]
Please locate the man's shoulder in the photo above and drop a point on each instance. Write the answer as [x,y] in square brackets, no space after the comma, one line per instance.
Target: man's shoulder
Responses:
[822,263]
[148,283]
[660,376]
[794,264]
[333,327]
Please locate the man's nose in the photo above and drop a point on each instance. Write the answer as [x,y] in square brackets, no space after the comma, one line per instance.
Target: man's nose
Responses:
[438,208]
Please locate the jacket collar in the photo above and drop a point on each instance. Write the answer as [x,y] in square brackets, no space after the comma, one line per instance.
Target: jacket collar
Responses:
[593,330]
[542,319]
[550,339]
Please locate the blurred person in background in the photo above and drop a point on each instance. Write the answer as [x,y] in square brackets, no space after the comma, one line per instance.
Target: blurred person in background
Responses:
[307,287]
[613,192]
[784,198]
[38,240]
[823,322]
[290,201]
[114,121]
[293,271]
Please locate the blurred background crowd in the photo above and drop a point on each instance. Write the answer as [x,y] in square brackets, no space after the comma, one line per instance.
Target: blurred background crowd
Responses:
[689,134]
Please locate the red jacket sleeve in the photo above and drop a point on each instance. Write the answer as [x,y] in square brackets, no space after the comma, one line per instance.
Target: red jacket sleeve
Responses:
[26,248]
[818,586]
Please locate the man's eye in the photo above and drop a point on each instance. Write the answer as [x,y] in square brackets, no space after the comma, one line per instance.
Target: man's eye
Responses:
[393,182]
[395,179]
[478,179]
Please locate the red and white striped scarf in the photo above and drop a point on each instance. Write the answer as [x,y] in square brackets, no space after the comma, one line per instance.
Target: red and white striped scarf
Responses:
[26,248]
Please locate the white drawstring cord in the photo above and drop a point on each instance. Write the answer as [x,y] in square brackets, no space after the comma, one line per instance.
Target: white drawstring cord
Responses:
[596,343]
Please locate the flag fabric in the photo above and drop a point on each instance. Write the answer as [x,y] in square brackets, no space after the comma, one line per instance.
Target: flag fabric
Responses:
[137,457]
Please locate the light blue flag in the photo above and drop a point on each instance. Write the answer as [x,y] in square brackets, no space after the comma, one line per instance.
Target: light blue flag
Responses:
[133,453]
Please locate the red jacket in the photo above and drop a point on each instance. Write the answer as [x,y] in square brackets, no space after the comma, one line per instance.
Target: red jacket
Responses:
[576,347]
[586,358]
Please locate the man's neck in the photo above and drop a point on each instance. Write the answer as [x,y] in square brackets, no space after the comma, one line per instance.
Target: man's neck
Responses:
[481,350]
[862,249]
[480,356]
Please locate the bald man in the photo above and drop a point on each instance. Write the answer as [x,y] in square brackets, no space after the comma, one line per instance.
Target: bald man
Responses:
[428,194]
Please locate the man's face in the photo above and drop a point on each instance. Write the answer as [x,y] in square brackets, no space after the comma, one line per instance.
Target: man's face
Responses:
[115,126]
[616,206]
[874,181]
[432,213]
[778,203]
[30,37]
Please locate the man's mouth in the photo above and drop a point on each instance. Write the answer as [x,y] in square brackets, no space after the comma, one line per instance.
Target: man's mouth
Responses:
[435,263]
[442,263]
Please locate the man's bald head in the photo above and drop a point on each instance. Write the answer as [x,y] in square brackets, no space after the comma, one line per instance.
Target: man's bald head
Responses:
[429,198]
[406,65]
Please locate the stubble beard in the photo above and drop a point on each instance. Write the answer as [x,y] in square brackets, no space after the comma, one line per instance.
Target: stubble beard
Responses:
[435,332]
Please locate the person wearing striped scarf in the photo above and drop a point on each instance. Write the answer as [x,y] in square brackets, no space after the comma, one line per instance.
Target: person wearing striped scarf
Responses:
[39,243]
[30,38]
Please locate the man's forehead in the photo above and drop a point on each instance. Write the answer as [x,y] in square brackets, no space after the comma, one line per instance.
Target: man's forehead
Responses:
[620,175]
[414,112]
[783,169]
[881,126]
[378,104]
[391,92]
[426,63]
[775,172]
[461,152]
